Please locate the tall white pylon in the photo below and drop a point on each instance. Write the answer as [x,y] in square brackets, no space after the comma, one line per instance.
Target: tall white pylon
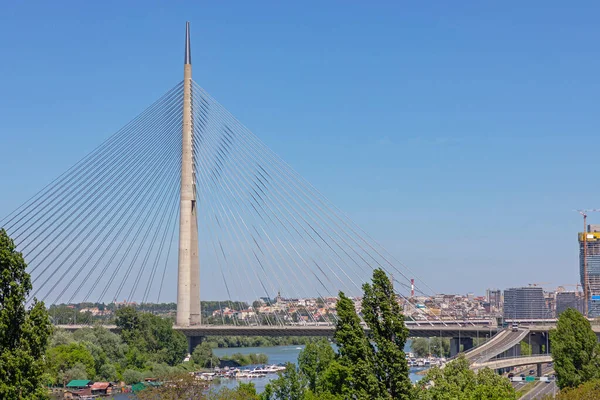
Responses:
[188,281]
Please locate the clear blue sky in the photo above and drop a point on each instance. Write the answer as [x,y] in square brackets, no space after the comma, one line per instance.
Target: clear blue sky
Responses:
[461,136]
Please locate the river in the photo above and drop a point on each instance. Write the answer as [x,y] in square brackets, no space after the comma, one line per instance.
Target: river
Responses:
[277,355]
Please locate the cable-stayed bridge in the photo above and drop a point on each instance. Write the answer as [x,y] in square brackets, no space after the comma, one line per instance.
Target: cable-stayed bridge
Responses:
[186,184]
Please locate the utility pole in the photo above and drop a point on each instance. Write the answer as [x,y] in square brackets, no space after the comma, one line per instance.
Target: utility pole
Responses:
[585,270]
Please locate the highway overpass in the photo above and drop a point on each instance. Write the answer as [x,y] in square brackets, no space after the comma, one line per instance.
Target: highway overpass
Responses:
[509,362]
[500,344]
[451,330]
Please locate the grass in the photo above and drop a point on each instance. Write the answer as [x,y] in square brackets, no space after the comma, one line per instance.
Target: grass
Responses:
[523,390]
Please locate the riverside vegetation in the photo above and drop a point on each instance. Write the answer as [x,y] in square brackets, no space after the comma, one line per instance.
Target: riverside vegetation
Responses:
[363,367]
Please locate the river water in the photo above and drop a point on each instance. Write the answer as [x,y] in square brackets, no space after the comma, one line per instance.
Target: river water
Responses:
[277,355]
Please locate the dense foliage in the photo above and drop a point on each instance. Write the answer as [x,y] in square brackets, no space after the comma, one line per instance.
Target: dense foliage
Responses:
[98,354]
[150,338]
[24,332]
[423,347]
[575,350]
[247,359]
[257,341]
[586,391]
[457,381]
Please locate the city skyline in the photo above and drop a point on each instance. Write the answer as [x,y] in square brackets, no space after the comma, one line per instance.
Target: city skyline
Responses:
[370,173]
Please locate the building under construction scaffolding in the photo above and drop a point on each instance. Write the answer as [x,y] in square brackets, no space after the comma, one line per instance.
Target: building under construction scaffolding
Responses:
[525,303]
[566,300]
[593,268]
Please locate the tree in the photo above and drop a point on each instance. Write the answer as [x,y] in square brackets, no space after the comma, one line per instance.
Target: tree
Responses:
[24,333]
[203,356]
[152,336]
[587,391]
[131,376]
[383,315]
[575,350]
[458,381]
[108,372]
[60,336]
[422,347]
[525,349]
[244,391]
[62,358]
[290,385]
[314,360]
[256,304]
[356,353]
[77,371]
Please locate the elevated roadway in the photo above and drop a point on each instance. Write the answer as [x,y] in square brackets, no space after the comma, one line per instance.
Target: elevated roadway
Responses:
[437,329]
[499,344]
[508,362]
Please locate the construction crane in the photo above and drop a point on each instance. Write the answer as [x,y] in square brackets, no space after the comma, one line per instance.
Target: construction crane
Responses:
[584,213]
[539,284]
[572,284]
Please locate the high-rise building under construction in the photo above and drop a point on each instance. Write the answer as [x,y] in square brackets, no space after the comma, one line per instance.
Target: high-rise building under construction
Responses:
[525,303]
[593,268]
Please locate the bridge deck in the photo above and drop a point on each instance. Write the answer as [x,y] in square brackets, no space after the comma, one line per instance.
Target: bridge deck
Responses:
[311,330]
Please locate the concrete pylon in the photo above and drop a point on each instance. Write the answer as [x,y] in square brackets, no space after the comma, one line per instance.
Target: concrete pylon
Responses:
[188,280]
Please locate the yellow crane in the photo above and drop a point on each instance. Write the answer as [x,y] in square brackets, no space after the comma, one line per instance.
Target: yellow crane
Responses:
[584,213]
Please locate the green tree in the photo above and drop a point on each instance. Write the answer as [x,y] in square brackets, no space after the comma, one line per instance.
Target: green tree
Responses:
[383,315]
[108,372]
[458,382]
[152,336]
[24,333]
[77,371]
[334,380]
[422,347]
[574,349]
[244,391]
[587,391]
[356,354]
[131,376]
[291,385]
[60,336]
[314,360]
[203,356]
[525,349]
[63,357]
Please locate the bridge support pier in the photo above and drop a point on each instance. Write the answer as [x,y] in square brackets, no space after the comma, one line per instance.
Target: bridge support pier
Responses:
[539,370]
[514,351]
[539,341]
[194,341]
[455,344]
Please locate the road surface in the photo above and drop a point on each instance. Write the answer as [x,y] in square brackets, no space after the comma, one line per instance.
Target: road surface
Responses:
[541,390]
[505,340]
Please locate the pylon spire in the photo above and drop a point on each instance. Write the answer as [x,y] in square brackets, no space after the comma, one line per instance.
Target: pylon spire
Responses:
[188,48]
[188,282]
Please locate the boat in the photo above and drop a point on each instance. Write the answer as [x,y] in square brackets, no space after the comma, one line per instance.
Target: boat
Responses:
[268,369]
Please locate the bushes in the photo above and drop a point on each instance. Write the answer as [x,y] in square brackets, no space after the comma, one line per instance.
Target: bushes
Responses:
[248,359]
